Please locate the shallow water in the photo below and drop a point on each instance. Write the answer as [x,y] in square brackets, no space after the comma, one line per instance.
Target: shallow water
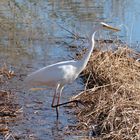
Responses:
[44,40]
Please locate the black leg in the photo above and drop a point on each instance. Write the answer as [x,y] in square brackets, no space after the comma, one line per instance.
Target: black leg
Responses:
[57,114]
[73,101]
[53,101]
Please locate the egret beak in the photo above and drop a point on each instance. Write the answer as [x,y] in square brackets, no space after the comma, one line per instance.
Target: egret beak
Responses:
[108,27]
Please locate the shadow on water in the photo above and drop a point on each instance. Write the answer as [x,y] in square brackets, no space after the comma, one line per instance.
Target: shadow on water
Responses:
[31,38]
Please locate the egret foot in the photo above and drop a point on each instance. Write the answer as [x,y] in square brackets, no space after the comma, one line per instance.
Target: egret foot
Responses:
[58,105]
[73,101]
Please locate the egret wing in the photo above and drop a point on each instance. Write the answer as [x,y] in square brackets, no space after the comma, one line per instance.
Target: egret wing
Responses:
[52,74]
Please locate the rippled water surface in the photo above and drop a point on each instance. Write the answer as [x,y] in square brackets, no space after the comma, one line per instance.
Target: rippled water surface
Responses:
[38,33]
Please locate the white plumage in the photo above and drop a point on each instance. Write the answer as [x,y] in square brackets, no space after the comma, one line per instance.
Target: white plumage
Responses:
[52,75]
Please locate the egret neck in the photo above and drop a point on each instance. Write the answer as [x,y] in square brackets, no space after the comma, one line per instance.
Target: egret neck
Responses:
[83,62]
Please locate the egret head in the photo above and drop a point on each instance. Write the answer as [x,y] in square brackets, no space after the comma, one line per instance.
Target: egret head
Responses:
[103,26]
[108,27]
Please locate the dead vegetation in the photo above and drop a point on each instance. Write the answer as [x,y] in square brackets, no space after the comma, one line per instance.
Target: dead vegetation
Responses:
[112,96]
[8,108]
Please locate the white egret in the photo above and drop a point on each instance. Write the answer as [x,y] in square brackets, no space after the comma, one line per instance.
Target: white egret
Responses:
[59,74]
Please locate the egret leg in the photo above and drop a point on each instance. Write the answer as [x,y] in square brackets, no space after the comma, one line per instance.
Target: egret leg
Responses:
[61,104]
[54,99]
[59,95]
[54,96]
[58,100]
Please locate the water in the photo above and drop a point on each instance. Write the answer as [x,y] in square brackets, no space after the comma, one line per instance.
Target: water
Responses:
[36,39]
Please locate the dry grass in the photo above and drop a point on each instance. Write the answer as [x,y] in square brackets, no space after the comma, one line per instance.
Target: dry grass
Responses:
[8,108]
[112,99]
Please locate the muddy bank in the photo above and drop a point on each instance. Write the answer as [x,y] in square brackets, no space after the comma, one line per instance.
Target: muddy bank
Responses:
[9,108]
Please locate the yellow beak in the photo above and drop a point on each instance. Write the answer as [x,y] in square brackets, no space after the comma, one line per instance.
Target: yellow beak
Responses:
[108,27]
